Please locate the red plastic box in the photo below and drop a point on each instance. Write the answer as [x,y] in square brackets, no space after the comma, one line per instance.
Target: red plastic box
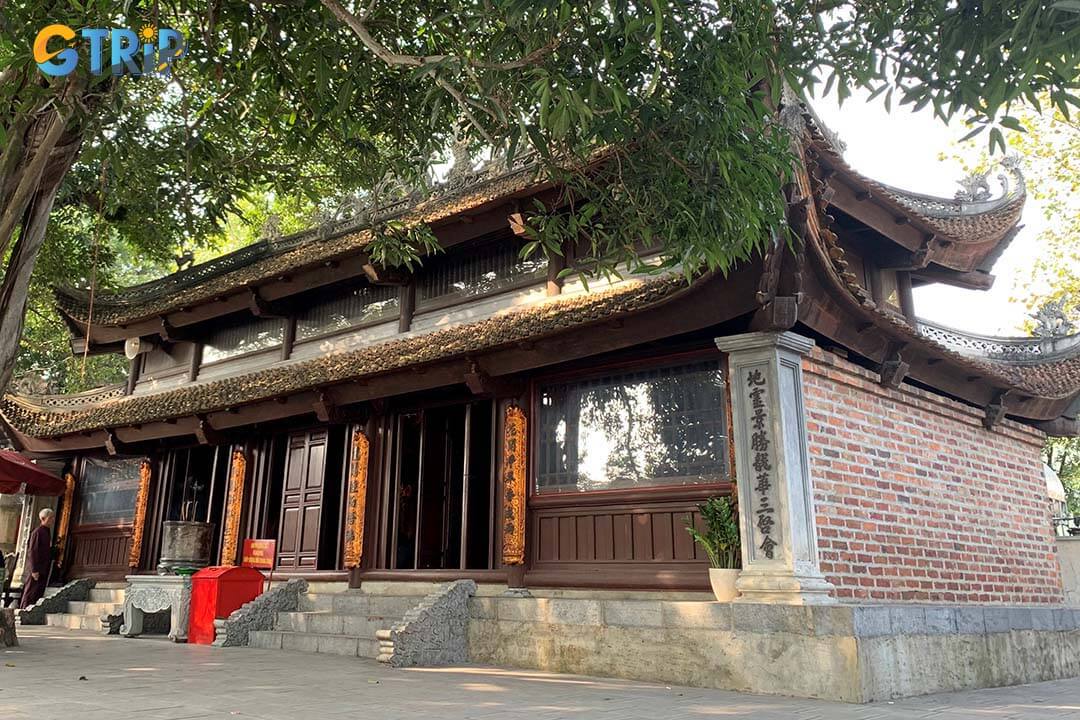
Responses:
[215,593]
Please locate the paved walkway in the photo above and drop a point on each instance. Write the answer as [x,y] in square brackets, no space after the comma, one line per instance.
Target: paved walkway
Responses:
[62,675]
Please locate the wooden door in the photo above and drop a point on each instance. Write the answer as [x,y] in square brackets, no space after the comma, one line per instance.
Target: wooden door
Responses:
[301,500]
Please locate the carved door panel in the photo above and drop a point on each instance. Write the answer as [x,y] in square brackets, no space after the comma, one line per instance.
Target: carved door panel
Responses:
[301,500]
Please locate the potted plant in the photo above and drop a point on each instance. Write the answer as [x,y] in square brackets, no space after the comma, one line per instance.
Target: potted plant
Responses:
[185,543]
[721,542]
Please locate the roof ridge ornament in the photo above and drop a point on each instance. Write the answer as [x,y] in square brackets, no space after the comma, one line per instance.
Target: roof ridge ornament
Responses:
[975,186]
[1051,320]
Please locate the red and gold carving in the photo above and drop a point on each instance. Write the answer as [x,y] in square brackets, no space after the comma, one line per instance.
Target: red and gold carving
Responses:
[356,501]
[140,514]
[65,518]
[513,486]
[234,507]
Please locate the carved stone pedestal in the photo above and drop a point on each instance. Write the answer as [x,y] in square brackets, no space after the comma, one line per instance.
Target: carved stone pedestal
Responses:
[154,593]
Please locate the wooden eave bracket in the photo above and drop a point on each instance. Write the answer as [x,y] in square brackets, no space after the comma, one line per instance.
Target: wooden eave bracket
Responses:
[205,432]
[325,407]
[113,446]
[481,383]
[379,275]
[260,306]
[894,368]
[994,412]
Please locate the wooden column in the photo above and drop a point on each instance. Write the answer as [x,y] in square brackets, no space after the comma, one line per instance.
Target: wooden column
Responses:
[356,500]
[513,478]
[234,508]
[139,525]
[63,528]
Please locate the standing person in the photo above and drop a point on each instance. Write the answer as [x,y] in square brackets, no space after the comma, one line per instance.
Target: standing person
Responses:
[38,560]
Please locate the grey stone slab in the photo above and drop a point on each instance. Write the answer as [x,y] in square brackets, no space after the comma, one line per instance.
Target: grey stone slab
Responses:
[872,620]
[940,620]
[833,620]
[708,615]
[760,618]
[324,623]
[907,620]
[1063,619]
[1042,618]
[266,639]
[1020,619]
[997,619]
[565,611]
[970,620]
[633,613]
[482,607]
[303,642]
[337,645]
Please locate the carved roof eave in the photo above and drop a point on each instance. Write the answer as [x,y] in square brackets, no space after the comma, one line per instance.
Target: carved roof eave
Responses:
[842,310]
[965,234]
[267,259]
[438,358]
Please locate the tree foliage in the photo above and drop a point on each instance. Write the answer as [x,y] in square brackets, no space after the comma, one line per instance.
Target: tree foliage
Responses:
[657,115]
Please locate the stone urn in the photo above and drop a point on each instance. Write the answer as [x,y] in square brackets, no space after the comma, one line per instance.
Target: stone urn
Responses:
[723,583]
[185,546]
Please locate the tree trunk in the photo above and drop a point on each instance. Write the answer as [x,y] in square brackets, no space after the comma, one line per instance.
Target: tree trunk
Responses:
[13,289]
[7,628]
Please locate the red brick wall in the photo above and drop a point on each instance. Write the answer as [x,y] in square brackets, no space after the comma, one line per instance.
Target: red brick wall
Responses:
[916,501]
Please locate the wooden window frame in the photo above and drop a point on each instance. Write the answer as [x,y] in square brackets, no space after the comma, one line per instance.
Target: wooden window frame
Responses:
[601,497]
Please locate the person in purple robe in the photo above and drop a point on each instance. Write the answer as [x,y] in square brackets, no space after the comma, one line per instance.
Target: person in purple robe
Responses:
[38,560]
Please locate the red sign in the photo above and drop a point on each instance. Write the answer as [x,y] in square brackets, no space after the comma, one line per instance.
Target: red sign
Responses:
[259,554]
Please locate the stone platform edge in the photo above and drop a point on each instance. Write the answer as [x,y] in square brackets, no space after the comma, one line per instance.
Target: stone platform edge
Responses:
[851,653]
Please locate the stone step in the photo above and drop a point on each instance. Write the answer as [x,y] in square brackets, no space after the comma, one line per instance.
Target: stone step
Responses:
[359,604]
[333,624]
[347,645]
[73,622]
[100,594]
[81,607]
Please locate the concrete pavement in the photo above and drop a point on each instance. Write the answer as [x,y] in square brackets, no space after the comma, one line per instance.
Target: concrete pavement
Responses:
[66,675]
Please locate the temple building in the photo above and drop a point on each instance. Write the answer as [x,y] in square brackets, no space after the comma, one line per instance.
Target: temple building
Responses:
[485,418]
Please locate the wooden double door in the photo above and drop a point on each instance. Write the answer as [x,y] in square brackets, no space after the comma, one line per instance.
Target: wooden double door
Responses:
[310,499]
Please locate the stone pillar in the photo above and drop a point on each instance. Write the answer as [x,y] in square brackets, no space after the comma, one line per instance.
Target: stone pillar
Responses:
[776,501]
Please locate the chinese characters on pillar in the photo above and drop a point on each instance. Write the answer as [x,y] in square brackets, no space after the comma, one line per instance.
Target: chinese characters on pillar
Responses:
[763,508]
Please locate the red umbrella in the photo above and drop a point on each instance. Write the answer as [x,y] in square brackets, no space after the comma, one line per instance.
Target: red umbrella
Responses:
[16,470]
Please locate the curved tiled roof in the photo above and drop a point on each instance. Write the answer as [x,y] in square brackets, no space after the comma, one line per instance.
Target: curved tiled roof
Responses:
[32,417]
[972,217]
[270,258]
[1043,368]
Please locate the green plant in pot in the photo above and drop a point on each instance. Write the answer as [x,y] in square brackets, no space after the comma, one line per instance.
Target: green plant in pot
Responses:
[721,542]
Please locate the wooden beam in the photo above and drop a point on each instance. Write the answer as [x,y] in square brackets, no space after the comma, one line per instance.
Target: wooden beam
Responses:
[378,275]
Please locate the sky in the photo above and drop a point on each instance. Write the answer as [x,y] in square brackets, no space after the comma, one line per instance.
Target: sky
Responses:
[902,148]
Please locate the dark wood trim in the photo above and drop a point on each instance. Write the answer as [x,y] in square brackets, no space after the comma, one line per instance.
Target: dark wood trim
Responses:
[289,337]
[621,576]
[631,496]
[907,301]
[133,374]
[407,306]
[196,362]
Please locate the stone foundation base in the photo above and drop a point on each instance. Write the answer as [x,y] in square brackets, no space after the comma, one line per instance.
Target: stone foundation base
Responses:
[849,653]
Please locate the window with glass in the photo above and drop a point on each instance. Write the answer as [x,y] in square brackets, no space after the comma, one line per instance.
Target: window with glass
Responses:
[664,426]
[347,308]
[479,269]
[241,338]
[108,490]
